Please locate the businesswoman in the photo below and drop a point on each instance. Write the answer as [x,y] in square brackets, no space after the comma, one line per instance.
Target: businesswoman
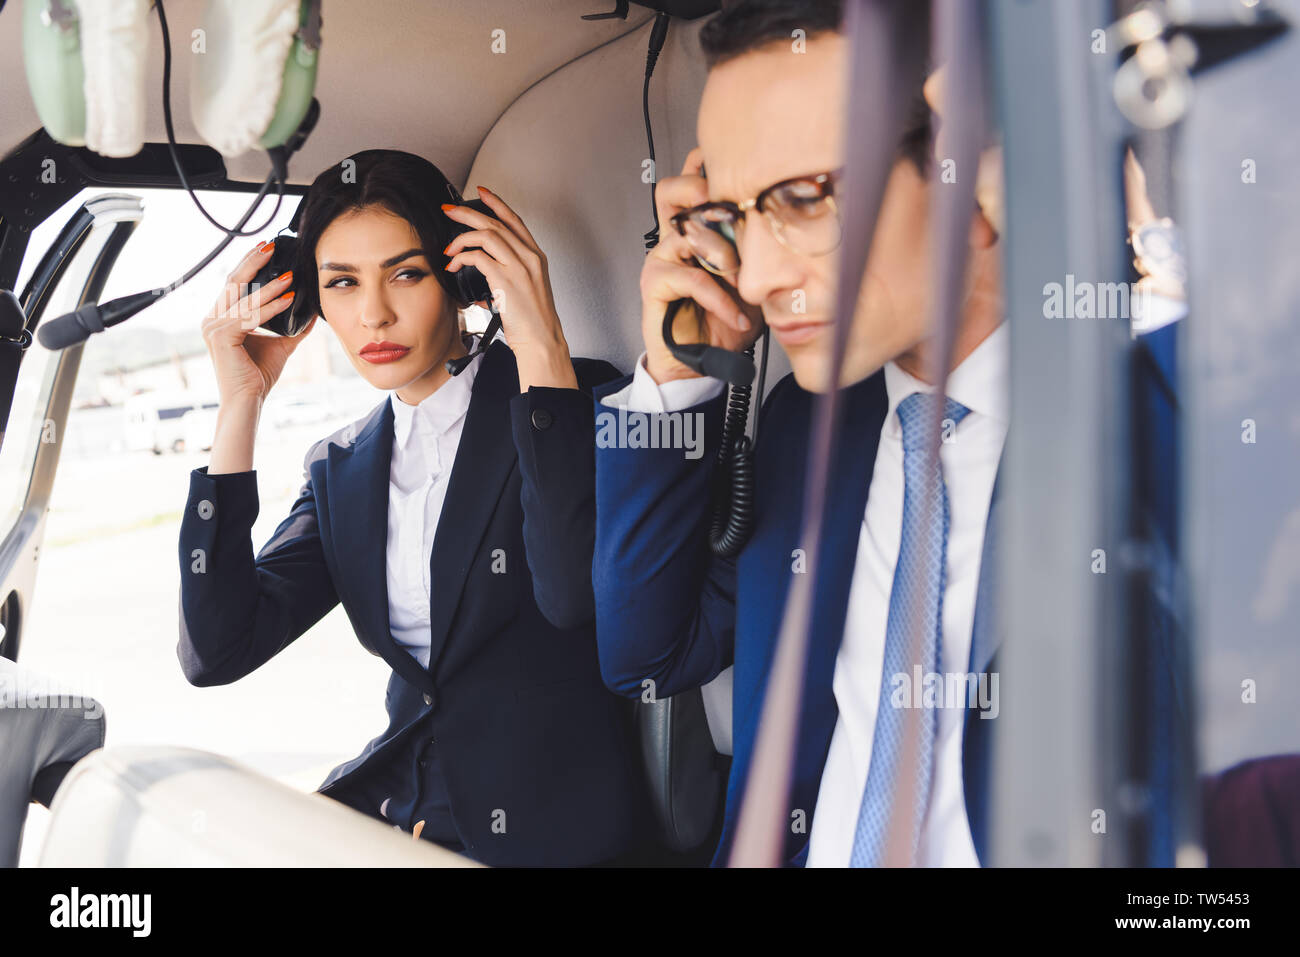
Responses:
[455,523]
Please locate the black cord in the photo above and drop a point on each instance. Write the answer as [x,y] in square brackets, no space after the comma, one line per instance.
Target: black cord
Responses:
[176,159]
[733,511]
[657,37]
[652,237]
[231,234]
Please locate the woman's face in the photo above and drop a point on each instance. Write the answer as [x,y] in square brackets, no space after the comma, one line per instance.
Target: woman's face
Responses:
[379,295]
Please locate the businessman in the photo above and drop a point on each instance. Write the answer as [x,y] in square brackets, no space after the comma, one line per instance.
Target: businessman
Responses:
[669,615]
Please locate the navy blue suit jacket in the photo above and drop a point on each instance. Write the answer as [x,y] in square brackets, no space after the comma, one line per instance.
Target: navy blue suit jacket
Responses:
[513,693]
[670,612]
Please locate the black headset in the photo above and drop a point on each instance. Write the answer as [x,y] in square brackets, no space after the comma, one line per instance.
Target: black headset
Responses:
[471,284]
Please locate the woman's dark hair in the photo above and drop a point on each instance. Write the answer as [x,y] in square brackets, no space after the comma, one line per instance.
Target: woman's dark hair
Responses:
[744,26]
[406,185]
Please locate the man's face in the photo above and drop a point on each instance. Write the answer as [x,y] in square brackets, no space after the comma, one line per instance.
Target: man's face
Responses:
[773,114]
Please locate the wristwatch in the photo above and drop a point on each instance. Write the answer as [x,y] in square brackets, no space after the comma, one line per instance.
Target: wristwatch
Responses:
[1158,253]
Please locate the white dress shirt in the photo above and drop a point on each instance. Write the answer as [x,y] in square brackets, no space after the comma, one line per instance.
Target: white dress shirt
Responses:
[425,438]
[969,461]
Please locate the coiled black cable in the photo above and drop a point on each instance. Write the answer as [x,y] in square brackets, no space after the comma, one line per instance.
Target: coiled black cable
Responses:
[733,509]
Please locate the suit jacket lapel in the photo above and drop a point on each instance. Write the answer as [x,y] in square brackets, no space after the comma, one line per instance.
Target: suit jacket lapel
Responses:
[986,637]
[357,478]
[865,406]
[985,633]
[484,459]
[781,498]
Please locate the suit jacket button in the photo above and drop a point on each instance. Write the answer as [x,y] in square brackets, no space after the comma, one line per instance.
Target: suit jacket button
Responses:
[206,509]
[428,699]
[542,419]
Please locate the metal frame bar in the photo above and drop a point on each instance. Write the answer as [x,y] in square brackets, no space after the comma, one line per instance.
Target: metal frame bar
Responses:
[1066,455]
[20,547]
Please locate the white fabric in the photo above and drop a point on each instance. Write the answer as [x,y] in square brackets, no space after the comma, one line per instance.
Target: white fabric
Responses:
[162,806]
[1153,311]
[114,48]
[970,462]
[425,438]
[236,80]
[643,394]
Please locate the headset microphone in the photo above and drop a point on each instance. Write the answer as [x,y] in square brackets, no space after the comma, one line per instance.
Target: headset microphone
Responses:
[457,366]
[733,367]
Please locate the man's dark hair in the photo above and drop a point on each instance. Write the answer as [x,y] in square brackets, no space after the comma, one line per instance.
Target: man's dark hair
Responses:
[744,26]
[406,185]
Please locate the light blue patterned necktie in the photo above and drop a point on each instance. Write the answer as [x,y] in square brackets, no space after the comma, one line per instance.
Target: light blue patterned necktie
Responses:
[915,603]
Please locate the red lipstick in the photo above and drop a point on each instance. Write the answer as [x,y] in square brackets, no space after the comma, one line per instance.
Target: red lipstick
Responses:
[380,352]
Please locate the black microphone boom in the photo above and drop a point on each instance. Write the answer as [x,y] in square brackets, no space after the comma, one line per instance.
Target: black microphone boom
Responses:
[74,327]
[457,366]
[733,367]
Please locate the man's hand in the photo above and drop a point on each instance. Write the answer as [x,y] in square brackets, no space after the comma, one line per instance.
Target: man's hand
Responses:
[716,315]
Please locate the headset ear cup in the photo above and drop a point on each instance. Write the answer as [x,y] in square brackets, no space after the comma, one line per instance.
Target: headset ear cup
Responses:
[56,76]
[473,285]
[236,87]
[86,65]
[114,54]
[297,86]
[297,316]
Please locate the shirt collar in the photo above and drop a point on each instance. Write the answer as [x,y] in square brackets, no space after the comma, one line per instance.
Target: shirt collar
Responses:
[437,412]
[979,382]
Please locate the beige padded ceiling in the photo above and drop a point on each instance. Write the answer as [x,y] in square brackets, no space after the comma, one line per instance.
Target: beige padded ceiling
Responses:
[553,124]
[418,75]
[568,155]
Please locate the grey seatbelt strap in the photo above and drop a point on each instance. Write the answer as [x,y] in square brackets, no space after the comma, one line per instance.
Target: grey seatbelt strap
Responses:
[958,41]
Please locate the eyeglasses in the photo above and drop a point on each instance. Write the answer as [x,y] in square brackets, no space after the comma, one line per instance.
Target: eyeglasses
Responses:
[801,211]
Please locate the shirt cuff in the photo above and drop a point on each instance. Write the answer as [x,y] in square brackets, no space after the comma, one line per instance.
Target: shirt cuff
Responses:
[1154,311]
[643,394]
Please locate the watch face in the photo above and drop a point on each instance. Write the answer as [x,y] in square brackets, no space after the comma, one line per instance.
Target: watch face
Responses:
[1158,247]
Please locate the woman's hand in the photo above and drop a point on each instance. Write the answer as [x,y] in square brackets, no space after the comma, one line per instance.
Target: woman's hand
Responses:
[508,256]
[248,366]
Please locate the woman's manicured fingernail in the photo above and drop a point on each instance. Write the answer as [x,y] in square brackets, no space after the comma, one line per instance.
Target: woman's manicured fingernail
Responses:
[269,244]
[288,295]
[284,275]
[447,251]
[482,190]
[448,206]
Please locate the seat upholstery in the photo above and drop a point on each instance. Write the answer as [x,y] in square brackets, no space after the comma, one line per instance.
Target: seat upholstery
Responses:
[569,155]
[41,725]
[178,807]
